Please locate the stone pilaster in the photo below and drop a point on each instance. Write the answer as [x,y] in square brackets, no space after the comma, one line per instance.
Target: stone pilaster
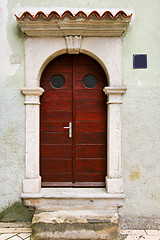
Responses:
[32,181]
[114,181]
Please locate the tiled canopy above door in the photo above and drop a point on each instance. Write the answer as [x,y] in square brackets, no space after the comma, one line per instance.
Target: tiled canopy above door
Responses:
[69,24]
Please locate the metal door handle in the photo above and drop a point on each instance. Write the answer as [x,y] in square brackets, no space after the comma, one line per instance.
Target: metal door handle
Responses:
[70,129]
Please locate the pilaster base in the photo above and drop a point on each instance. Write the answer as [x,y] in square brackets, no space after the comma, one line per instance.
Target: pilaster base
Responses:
[114,185]
[32,185]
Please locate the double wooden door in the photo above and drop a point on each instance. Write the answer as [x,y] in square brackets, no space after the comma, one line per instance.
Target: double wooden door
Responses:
[73,123]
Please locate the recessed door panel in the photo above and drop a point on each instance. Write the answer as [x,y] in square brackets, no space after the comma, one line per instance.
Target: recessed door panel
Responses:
[73,123]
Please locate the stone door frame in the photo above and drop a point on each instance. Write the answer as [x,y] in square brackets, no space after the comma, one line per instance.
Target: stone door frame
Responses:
[38,53]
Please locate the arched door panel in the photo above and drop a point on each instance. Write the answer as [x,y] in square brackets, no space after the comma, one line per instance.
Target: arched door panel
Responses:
[73,95]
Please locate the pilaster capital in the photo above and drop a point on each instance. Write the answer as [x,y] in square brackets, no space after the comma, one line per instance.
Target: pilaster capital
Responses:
[114,94]
[32,91]
[114,90]
[32,95]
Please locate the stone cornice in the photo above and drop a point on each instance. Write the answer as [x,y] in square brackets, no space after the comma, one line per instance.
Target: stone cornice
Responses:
[69,24]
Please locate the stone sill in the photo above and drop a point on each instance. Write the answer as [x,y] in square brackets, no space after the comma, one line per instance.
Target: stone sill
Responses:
[83,193]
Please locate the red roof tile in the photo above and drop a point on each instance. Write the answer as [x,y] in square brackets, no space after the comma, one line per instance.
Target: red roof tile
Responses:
[54,14]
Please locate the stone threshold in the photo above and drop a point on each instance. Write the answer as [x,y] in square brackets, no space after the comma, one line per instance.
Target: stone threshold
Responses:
[84,193]
[48,198]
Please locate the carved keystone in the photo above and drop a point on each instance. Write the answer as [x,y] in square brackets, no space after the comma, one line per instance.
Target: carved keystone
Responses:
[73,44]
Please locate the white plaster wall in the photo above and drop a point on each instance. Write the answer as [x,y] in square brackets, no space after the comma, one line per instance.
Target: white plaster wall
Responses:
[11,115]
[140,152]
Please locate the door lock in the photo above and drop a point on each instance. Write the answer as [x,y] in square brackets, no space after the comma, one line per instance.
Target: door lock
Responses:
[70,129]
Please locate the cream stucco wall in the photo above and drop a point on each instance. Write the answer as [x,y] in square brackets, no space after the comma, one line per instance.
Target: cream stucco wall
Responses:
[11,109]
[140,109]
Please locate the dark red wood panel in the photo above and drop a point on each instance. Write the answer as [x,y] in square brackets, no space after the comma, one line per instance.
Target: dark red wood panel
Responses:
[94,177]
[57,95]
[57,165]
[56,177]
[90,148]
[51,115]
[91,165]
[80,160]
[88,94]
[89,116]
[90,105]
[55,138]
[56,112]
[90,126]
[56,105]
[90,151]
[90,138]
[58,151]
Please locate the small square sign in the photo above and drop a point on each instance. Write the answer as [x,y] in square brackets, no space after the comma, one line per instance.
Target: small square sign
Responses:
[139,61]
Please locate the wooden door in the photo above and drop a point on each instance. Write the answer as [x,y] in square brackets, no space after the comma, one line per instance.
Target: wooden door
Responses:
[73,95]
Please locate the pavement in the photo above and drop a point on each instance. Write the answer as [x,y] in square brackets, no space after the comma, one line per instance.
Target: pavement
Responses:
[22,231]
[15,231]
[140,234]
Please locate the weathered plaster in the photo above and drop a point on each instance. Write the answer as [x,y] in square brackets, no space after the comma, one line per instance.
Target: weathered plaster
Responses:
[11,137]
[11,113]
[6,68]
[141,143]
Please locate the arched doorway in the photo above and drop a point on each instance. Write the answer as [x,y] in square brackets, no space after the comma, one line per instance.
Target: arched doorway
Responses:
[73,123]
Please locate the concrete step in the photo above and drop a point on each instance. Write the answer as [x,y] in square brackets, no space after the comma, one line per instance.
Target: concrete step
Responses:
[66,213]
[76,224]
